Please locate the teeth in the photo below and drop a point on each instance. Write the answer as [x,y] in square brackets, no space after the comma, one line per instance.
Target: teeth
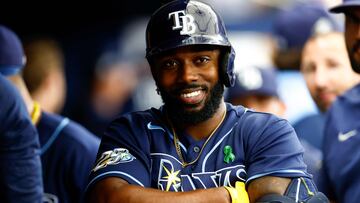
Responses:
[191,94]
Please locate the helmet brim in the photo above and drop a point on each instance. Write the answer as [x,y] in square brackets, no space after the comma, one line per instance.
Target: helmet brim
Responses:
[344,7]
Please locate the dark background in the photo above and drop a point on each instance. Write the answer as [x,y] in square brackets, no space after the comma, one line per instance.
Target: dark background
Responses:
[84,29]
[65,18]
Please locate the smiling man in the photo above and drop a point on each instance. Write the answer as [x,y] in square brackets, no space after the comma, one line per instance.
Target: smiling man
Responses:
[177,74]
[196,147]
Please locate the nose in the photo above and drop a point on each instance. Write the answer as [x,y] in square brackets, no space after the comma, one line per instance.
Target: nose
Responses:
[188,73]
[320,78]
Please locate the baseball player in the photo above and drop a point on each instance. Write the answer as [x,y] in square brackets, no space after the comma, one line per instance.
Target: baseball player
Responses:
[20,167]
[292,28]
[196,147]
[68,151]
[342,129]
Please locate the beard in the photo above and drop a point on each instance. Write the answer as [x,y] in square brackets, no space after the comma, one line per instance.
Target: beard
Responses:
[178,114]
[354,63]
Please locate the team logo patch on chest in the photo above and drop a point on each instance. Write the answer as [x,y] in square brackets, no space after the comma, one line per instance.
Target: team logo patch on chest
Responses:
[170,176]
[113,157]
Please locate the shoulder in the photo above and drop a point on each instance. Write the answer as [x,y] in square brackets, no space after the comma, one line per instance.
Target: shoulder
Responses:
[133,130]
[349,99]
[345,111]
[10,101]
[313,119]
[248,118]
[69,131]
[14,116]
[353,94]
[255,126]
[8,91]
[310,125]
[136,121]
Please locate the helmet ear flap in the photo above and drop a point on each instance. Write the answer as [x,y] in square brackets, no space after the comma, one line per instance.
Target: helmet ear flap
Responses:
[227,74]
[151,63]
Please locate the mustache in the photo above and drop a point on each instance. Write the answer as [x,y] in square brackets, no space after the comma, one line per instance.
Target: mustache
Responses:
[356,46]
[178,89]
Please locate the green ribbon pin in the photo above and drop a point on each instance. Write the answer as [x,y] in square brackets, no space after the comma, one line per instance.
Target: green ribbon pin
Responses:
[228,154]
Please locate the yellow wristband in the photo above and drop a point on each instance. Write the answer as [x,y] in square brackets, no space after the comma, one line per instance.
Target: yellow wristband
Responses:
[36,113]
[238,194]
[233,194]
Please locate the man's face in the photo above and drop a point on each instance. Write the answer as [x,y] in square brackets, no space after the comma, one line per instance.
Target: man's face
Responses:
[188,81]
[352,37]
[326,69]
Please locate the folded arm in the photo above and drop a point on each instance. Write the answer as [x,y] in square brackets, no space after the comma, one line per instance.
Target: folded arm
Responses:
[113,190]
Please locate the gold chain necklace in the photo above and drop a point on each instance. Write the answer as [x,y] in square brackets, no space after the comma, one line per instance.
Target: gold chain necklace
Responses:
[177,145]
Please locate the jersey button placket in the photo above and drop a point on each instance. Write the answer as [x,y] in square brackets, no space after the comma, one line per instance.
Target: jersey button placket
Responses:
[196,149]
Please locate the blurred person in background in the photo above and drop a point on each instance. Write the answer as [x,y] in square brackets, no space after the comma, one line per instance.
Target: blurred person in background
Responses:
[111,94]
[256,88]
[67,150]
[122,80]
[292,28]
[132,52]
[44,73]
[20,166]
[341,137]
[327,69]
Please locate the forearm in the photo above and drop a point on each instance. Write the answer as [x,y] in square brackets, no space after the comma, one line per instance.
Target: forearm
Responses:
[126,193]
[136,194]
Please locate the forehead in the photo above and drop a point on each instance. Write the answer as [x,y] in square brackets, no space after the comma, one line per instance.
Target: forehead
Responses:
[328,39]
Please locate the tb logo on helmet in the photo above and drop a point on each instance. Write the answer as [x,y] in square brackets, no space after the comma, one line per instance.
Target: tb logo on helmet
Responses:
[187,22]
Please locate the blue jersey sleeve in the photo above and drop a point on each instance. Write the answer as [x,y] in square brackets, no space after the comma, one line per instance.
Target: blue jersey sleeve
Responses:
[272,147]
[124,152]
[20,167]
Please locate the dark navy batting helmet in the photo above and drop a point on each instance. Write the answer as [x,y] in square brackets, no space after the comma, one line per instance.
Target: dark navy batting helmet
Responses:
[183,23]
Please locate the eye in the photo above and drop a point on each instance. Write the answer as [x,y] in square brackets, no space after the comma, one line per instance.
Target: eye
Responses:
[202,60]
[332,64]
[308,68]
[169,64]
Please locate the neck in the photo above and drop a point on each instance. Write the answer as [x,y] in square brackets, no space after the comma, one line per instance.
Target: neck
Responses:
[205,129]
